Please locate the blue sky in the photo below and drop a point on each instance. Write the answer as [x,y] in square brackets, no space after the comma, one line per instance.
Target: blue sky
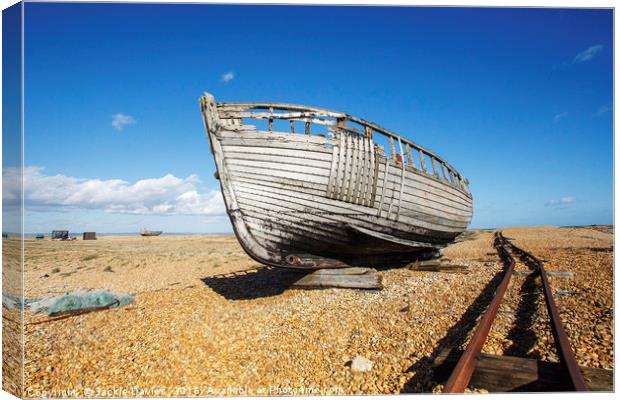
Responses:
[518,100]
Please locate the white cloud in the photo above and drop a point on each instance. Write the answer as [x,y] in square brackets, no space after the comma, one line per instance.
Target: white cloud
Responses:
[558,117]
[227,77]
[562,201]
[120,120]
[588,53]
[167,195]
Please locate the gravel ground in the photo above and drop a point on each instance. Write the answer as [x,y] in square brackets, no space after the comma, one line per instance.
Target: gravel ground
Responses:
[198,329]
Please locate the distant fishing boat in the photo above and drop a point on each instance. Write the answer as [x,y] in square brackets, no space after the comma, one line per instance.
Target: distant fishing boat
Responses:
[146,232]
[319,190]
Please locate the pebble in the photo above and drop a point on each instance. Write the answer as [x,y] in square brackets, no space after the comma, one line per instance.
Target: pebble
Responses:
[361,364]
[198,334]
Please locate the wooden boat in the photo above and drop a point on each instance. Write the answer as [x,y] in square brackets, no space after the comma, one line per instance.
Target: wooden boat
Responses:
[312,188]
[146,232]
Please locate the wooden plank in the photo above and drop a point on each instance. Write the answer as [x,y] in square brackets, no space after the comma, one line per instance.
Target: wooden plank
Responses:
[507,373]
[296,157]
[248,151]
[284,158]
[300,193]
[299,177]
[364,281]
[426,204]
[345,271]
[312,204]
[560,274]
[267,115]
[310,209]
[321,170]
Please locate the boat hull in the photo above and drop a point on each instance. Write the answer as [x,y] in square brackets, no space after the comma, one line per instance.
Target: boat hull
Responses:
[301,201]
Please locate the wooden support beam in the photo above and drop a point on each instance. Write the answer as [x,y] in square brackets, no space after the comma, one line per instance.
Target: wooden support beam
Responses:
[434,167]
[422,161]
[437,265]
[348,278]
[507,374]
[292,126]
[271,119]
[308,128]
[408,153]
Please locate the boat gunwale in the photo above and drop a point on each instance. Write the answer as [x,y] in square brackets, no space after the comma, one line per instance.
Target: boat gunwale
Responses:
[233,107]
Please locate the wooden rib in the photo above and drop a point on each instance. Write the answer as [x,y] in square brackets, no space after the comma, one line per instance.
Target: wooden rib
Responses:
[341,168]
[333,172]
[409,158]
[355,174]
[292,123]
[422,161]
[402,179]
[385,173]
[375,165]
[434,167]
[367,172]
[444,172]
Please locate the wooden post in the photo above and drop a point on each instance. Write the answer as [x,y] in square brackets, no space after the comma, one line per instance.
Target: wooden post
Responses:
[340,123]
[270,119]
[434,167]
[308,127]
[444,172]
[422,161]
[392,148]
[409,158]
[292,126]
[368,131]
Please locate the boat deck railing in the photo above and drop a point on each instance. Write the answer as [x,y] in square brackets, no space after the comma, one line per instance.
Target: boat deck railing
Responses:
[409,154]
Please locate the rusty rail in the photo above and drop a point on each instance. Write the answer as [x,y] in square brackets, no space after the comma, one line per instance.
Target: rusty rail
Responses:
[462,373]
[459,379]
[565,351]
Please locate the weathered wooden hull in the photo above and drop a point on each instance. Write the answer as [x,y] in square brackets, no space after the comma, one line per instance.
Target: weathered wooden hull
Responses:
[303,201]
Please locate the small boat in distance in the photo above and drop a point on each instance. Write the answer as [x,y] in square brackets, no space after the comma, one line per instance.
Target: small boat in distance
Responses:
[146,232]
[311,188]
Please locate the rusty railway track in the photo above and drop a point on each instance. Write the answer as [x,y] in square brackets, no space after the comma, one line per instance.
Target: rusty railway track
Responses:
[462,373]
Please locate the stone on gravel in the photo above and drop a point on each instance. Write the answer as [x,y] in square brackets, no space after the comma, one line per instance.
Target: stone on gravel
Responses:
[360,364]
